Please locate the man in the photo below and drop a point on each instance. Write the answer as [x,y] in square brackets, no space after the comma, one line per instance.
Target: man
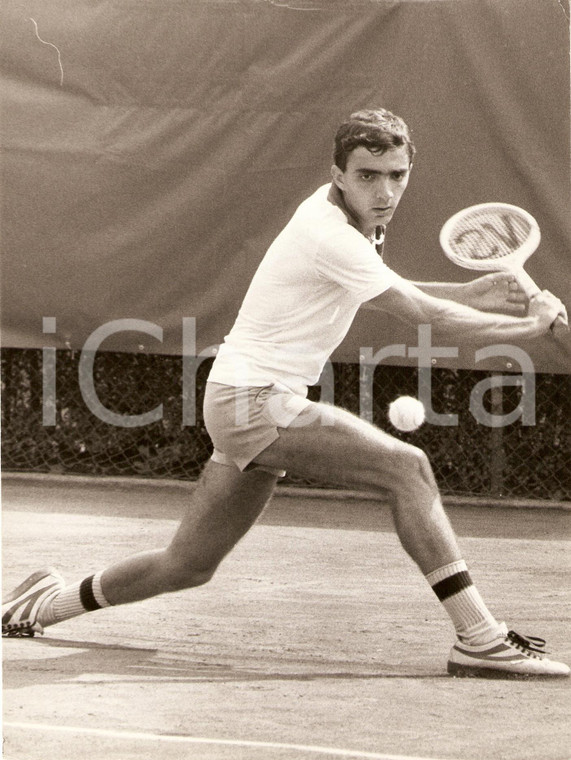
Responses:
[300,304]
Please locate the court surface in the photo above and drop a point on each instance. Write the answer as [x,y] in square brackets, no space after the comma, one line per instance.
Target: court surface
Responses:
[318,637]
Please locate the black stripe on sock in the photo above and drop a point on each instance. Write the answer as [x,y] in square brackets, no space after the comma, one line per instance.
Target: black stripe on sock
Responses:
[87,596]
[452,585]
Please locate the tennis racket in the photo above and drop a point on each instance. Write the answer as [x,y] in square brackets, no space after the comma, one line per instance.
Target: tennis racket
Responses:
[495,237]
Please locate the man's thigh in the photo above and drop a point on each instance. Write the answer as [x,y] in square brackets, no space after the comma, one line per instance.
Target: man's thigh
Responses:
[332,445]
[224,505]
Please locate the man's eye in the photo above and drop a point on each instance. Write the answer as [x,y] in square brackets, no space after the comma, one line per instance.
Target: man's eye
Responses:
[367,177]
[398,176]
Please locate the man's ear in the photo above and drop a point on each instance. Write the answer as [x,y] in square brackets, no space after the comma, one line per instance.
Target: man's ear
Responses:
[338,176]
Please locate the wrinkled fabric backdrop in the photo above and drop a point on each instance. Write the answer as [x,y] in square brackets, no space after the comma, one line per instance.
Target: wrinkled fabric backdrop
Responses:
[152,149]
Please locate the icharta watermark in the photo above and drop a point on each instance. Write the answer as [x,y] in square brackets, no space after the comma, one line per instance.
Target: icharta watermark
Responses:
[425,355]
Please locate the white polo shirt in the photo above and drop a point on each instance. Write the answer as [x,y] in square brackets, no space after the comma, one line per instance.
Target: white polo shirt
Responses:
[302,300]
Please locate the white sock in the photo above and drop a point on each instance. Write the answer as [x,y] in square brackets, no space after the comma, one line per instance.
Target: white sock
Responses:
[473,621]
[74,600]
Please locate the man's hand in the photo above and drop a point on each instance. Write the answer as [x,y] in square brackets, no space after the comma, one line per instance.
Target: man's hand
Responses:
[498,291]
[546,307]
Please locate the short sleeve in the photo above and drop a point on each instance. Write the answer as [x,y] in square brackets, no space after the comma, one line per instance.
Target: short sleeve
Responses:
[352,262]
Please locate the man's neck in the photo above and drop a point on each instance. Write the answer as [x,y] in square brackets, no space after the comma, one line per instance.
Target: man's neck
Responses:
[336,197]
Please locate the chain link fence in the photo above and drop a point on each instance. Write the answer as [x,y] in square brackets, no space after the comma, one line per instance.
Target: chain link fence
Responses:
[469,458]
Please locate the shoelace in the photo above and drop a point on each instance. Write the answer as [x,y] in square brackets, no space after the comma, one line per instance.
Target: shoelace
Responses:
[529,644]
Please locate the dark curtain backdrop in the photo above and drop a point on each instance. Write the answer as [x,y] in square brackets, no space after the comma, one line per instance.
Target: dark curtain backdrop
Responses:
[152,149]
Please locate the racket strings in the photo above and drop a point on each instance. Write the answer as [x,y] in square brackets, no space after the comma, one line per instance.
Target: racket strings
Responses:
[488,234]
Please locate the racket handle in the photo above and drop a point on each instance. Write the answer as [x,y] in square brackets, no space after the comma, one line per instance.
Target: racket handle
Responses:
[528,285]
[559,326]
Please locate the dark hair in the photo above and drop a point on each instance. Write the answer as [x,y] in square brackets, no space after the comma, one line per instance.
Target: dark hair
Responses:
[376,129]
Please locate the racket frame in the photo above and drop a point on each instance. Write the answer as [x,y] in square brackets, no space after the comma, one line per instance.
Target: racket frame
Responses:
[510,262]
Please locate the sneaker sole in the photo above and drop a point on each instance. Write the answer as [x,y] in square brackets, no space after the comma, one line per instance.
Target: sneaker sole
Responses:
[466,671]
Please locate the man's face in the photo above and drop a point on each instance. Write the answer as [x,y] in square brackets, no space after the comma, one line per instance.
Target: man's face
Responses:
[372,185]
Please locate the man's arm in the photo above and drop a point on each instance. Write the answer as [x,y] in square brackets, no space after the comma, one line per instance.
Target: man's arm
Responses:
[497,291]
[408,302]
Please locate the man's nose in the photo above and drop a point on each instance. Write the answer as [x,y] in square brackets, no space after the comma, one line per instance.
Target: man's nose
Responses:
[383,189]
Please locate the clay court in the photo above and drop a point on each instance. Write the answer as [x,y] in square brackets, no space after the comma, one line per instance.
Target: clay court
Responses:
[318,637]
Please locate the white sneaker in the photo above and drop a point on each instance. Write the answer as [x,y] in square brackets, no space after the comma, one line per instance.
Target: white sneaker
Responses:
[21,607]
[509,655]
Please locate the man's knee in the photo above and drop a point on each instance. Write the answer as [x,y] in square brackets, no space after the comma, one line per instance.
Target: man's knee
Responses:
[186,572]
[410,470]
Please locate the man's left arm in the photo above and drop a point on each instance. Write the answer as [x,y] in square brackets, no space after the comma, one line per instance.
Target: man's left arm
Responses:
[498,292]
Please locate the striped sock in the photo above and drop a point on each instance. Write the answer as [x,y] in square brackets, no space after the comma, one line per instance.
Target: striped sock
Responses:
[74,600]
[472,620]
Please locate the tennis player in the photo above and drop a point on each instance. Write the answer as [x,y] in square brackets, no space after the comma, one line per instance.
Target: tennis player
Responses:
[319,271]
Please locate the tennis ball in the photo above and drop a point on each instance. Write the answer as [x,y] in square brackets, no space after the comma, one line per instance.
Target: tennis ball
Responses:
[406,413]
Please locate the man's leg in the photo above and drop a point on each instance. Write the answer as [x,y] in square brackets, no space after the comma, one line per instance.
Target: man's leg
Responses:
[353,453]
[223,506]
[356,454]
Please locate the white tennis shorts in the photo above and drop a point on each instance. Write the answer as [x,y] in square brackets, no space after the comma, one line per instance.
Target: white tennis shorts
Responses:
[242,422]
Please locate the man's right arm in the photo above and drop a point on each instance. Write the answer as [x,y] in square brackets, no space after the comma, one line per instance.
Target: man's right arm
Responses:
[407,302]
